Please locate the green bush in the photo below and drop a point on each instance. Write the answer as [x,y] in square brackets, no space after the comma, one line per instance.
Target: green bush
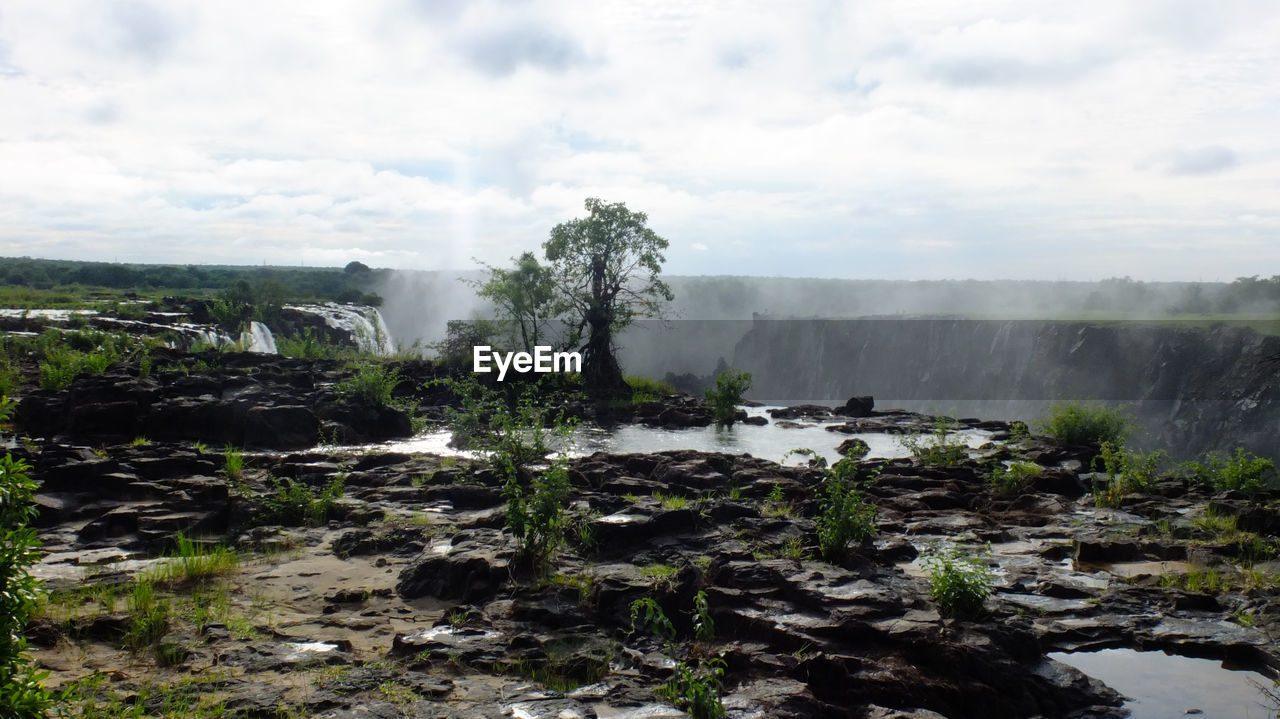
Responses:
[937,448]
[536,515]
[1127,471]
[727,395]
[959,583]
[21,692]
[1013,478]
[372,384]
[697,691]
[845,516]
[1076,423]
[1244,471]
[294,503]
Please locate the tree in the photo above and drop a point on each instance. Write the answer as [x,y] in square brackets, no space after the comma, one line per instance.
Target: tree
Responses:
[605,268]
[525,295]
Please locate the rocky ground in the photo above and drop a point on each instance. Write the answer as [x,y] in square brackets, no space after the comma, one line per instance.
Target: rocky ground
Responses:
[386,585]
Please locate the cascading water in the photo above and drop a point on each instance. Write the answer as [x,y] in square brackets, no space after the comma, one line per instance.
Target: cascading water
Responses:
[365,324]
[258,338]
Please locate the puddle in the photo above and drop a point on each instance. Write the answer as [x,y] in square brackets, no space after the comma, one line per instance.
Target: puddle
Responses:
[1159,685]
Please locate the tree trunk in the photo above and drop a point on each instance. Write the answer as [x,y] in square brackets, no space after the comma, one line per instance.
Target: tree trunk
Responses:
[601,374]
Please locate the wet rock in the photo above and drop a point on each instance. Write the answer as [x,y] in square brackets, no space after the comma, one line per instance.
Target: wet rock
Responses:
[861,406]
[800,411]
[285,426]
[469,569]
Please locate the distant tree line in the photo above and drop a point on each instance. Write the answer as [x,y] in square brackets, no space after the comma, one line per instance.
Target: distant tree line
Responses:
[349,284]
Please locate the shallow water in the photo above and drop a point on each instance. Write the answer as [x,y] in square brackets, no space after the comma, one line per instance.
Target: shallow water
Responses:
[766,442]
[1159,685]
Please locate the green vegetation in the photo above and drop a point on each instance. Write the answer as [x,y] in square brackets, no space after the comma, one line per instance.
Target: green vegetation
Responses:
[1076,423]
[1127,471]
[525,296]
[21,692]
[233,462]
[958,582]
[644,389]
[845,516]
[727,395]
[939,447]
[1013,478]
[671,501]
[294,503]
[605,268]
[536,515]
[646,613]
[704,627]
[372,384]
[192,562]
[697,691]
[1242,471]
[27,282]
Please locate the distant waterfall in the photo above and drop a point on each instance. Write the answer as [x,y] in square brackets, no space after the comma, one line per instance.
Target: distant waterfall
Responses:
[258,338]
[365,325]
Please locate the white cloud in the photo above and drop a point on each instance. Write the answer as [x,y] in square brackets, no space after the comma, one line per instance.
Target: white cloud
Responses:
[908,139]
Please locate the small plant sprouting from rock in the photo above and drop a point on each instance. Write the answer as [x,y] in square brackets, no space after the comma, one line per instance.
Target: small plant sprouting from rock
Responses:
[958,582]
[704,627]
[646,613]
[536,516]
[1126,470]
[939,447]
[294,503]
[727,395]
[1013,478]
[372,384]
[697,691]
[845,516]
[233,462]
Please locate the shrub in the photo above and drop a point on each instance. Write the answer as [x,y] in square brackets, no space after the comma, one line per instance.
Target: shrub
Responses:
[1013,478]
[1076,423]
[536,515]
[21,692]
[844,516]
[1127,471]
[1243,471]
[697,691]
[727,395]
[959,583]
[371,384]
[294,503]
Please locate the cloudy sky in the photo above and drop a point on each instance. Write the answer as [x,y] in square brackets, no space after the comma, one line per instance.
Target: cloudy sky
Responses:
[895,139]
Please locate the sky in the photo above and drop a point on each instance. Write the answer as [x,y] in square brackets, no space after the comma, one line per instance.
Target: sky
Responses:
[901,139]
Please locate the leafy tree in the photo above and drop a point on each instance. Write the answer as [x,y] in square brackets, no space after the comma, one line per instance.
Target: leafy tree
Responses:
[606,268]
[525,295]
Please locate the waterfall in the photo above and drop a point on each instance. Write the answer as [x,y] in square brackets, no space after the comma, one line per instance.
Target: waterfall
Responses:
[364,325]
[258,338]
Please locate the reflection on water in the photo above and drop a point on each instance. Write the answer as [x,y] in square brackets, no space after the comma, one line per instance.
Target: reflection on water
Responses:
[767,442]
[1160,685]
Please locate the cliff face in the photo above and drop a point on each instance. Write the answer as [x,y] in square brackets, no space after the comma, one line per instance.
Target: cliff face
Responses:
[1192,389]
